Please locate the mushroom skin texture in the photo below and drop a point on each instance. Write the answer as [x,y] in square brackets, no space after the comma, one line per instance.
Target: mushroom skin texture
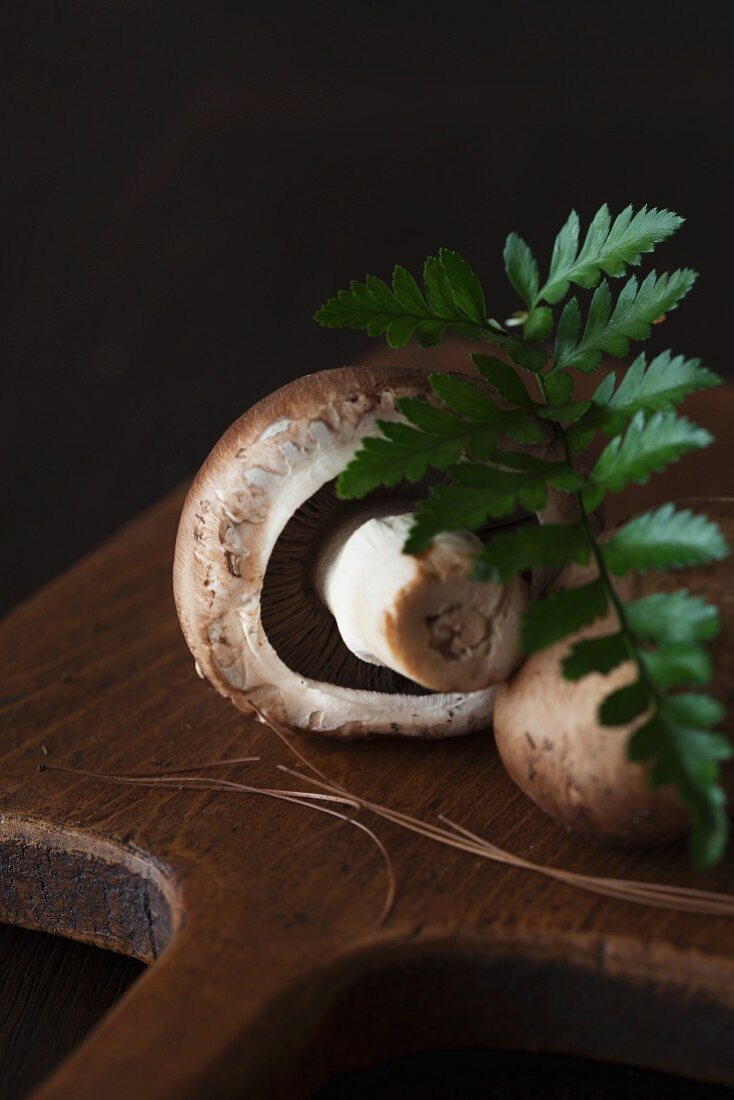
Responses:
[265,467]
[550,740]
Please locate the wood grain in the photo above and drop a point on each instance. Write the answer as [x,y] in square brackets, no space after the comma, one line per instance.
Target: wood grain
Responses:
[270,974]
[52,992]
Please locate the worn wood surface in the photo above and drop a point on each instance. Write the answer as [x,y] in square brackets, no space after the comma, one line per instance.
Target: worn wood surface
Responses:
[270,974]
[54,990]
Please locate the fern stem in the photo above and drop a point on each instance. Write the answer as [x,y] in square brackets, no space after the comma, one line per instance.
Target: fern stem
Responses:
[628,635]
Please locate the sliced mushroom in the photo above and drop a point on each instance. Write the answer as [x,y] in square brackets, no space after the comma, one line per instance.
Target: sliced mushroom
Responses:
[304,608]
[549,736]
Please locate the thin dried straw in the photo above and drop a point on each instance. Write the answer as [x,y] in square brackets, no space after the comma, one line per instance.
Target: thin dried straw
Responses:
[657,895]
[168,777]
[680,898]
[311,799]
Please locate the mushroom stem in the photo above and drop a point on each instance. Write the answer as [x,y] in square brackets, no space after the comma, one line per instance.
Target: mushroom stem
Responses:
[422,616]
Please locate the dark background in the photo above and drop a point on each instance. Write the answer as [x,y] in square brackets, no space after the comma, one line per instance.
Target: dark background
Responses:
[184,183]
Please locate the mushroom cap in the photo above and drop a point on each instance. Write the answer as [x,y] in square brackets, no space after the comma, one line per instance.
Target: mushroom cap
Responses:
[547,730]
[273,461]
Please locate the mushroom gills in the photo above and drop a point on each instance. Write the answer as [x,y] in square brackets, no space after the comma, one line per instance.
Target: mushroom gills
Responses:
[341,594]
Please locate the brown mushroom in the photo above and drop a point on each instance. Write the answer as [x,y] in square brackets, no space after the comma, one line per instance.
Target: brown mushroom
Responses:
[304,607]
[549,736]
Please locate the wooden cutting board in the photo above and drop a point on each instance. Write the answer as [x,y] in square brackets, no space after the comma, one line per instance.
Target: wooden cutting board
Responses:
[269,971]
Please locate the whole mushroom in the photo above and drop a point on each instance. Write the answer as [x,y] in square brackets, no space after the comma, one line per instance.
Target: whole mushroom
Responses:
[303,608]
[549,736]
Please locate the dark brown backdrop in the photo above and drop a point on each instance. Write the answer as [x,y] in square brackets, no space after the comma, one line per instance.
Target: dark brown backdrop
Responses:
[184,182]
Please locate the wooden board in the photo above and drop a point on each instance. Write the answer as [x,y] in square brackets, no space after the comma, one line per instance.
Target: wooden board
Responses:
[269,972]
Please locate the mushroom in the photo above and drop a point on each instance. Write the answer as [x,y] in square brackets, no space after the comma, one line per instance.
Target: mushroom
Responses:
[549,736]
[303,608]
[424,617]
